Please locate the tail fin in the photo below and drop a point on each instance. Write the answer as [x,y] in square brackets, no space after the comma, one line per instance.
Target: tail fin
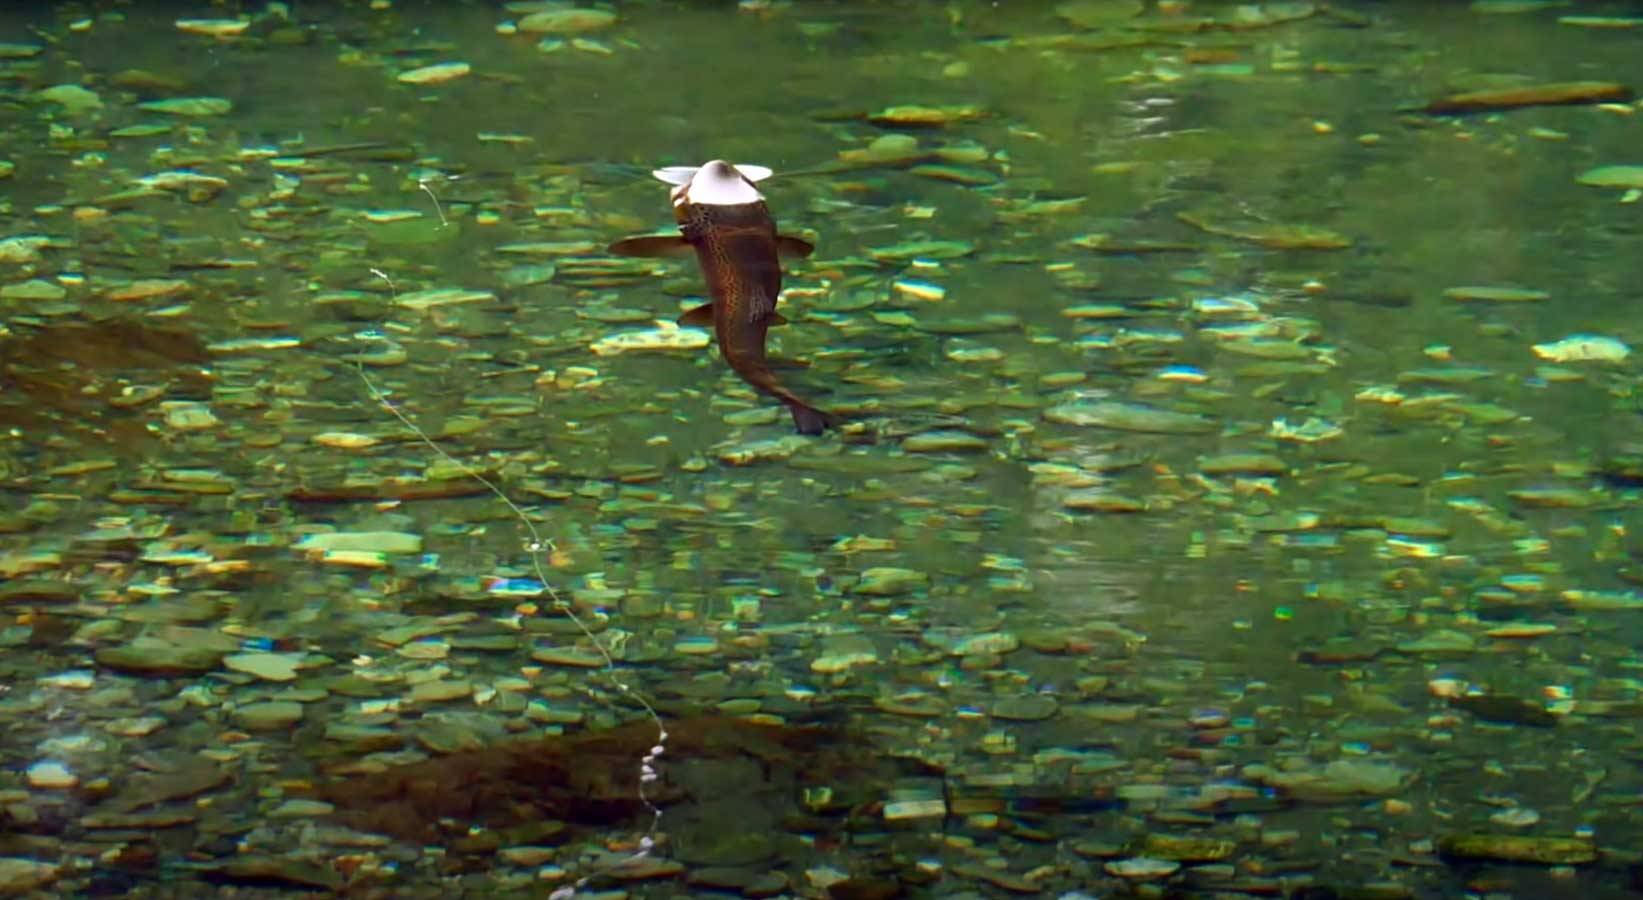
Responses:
[810,420]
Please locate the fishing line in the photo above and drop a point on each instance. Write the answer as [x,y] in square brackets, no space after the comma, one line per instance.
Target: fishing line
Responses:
[537,546]
[423,183]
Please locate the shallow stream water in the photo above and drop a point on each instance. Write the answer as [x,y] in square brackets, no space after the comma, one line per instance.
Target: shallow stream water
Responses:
[1240,451]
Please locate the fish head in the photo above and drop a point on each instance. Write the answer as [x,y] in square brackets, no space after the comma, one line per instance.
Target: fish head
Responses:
[715,183]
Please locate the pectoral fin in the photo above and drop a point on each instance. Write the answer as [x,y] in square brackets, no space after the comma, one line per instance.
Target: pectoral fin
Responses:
[652,245]
[674,174]
[792,246]
[700,317]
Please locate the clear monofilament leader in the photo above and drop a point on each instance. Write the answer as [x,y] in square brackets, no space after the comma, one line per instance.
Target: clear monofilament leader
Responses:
[648,766]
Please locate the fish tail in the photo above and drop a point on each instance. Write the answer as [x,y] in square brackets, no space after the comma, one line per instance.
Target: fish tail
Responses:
[806,418]
[810,420]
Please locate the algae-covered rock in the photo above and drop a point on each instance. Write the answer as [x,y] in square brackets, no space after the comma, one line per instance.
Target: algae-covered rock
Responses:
[1520,848]
[1184,848]
[889,581]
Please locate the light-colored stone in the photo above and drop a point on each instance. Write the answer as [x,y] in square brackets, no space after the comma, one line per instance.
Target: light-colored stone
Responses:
[272,715]
[267,666]
[50,775]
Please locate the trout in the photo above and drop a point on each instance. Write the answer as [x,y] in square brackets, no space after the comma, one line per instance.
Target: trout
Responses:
[723,218]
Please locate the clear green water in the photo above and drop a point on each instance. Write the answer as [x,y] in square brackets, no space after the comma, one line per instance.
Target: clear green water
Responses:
[1327,660]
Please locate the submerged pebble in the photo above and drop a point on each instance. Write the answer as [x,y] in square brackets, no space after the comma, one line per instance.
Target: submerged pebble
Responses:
[271,715]
[438,297]
[1550,851]
[1629,177]
[193,107]
[1129,417]
[367,541]
[1029,708]
[185,416]
[1583,348]
[890,580]
[435,74]
[218,28]
[665,336]
[267,666]
[1142,868]
[51,776]
[943,442]
[18,876]
[1496,294]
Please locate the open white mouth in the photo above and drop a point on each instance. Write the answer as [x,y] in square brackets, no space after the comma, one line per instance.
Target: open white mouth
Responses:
[715,183]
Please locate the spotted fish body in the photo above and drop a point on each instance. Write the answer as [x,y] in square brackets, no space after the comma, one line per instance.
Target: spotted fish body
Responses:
[723,218]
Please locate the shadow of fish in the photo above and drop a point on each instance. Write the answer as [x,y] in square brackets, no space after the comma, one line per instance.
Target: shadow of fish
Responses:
[723,218]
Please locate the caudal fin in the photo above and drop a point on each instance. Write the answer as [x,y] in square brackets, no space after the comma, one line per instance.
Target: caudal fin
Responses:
[810,420]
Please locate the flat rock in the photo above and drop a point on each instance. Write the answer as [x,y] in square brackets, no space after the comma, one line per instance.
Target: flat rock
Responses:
[272,871]
[189,106]
[1242,464]
[34,289]
[1340,779]
[1519,848]
[889,581]
[1441,642]
[364,738]
[1553,94]
[944,442]
[362,541]
[644,868]
[440,691]
[50,775]
[38,590]
[1026,708]
[868,887]
[434,297]
[528,855]
[19,876]
[301,809]
[665,336]
[1484,293]
[1142,868]
[152,789]
[911,704]
[931,249]
[1185,849]
[435,74]
[271,715]
[1102,500]
[996,642]
[1129,417]
[1505,709]
[14,563]
[164,817]
[1583,348]
[570,20]
[1613,177]
[566,656]
[267,666]
[834,663]
[748,882]
[155,658]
